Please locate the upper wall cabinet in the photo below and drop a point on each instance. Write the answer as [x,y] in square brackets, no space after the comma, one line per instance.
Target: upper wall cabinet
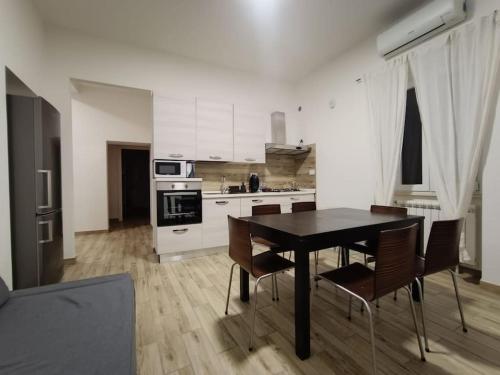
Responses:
[214,131]
[249,135]
[174,127]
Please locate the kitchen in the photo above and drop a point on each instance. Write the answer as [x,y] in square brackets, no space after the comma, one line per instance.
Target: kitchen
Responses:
[228,168]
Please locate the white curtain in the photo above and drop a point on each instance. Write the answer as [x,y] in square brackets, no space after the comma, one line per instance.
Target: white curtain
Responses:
[386,95]
[457,90]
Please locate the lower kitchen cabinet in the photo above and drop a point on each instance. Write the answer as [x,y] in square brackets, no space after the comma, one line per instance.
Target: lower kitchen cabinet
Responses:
[215,211]
[179,238]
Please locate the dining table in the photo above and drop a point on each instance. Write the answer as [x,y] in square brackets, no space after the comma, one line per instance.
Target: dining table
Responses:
[305,232]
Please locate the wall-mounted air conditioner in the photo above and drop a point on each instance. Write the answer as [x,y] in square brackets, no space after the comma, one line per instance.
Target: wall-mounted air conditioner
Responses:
[427,21]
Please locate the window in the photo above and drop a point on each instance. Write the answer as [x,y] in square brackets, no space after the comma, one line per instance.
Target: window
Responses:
[413,171]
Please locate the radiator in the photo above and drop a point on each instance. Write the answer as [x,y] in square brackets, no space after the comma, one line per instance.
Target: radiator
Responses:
[469,242]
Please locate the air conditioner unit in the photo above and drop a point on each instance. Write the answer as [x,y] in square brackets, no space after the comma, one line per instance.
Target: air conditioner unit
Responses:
[427,21]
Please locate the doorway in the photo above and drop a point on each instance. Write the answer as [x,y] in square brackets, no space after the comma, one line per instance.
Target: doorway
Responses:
[135,185]
[128,184]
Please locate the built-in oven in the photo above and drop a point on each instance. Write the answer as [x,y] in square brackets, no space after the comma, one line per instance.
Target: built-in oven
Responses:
[173,168]
[178,203]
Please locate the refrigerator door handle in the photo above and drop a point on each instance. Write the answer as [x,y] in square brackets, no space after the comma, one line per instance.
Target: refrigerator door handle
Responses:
[48,174]
[50,227]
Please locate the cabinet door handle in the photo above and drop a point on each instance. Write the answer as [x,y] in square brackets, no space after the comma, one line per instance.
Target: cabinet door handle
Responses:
[249,159]
[222,202]
[176,155]
[257,200]
[180,231]
[214,157]
[294,199]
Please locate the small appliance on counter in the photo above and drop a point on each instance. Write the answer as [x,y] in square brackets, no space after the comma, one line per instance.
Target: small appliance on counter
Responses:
[173,168]
[253,183]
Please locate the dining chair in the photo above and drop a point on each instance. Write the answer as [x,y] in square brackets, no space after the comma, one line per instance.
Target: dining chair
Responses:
[442,254]
[395,268]
[266,209]
[368,248]
[260,266]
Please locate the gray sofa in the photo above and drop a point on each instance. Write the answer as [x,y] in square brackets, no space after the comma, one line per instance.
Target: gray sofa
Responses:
[80,327]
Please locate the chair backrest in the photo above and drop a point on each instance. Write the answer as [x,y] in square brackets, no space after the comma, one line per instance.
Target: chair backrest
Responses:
[395,262]
[240,244]
[303,206]
[266,209]
[388,210]
[443,245]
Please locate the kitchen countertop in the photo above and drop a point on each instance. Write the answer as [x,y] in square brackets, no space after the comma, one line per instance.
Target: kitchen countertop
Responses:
[217,195]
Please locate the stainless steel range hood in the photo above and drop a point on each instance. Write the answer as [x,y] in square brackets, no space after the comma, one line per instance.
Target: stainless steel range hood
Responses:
[278,135]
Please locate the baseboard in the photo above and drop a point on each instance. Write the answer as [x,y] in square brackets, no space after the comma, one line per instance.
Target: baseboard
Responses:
[92,232]
[490,287]
[69,261]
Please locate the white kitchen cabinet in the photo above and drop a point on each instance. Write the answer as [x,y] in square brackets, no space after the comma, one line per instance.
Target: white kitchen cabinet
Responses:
[174,128]
[249,135]
[215,211]
[177,238]
[214,131]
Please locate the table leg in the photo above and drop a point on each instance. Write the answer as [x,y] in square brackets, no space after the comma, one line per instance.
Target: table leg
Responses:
[420,251]
[244,295]
[344,256]
[302,315]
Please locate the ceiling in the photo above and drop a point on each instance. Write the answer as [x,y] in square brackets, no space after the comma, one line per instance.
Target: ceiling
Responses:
[282,39]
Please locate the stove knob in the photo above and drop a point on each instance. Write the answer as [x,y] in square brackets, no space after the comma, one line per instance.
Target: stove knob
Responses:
[186,186]
[173,186]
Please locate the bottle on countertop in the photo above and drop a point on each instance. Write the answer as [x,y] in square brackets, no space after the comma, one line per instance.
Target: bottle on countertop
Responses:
[243,188]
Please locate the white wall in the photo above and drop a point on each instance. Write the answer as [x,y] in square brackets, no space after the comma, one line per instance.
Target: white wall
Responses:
[100,115]
[21,41]
[344,162]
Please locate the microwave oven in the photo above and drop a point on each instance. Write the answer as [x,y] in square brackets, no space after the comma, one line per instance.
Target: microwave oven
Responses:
[173,168]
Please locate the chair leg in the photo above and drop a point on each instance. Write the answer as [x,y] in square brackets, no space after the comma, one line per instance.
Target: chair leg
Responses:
[229,288]
[252,328]
[273,295]
[338,256]
[350,307]
[414,315]
[372,334]
[455,285]
[276,287]
[422,309]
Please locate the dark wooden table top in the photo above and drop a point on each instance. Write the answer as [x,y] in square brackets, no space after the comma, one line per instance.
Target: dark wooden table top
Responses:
[313,223]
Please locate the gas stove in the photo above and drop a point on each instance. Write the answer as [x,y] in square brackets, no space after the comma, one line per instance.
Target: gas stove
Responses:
[279,190]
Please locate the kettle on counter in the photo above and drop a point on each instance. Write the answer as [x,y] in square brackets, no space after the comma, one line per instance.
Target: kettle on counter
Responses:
[253,183]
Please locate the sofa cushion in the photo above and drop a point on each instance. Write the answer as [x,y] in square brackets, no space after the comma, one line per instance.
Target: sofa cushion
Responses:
[78,328]
[4,292]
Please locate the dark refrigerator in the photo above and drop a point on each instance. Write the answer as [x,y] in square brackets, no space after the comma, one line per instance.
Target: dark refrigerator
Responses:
[35,191]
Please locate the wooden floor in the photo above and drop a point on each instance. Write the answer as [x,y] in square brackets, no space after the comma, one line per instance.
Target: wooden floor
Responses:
[182,329]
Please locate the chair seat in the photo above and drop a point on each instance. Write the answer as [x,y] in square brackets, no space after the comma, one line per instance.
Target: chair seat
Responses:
[355,278]
[362,247]
[275,248]
[269,262]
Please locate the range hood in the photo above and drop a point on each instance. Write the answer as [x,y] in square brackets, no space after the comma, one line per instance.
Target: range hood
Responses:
[278,135]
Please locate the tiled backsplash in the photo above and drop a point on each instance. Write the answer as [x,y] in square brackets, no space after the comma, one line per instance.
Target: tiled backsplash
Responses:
[280,171]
